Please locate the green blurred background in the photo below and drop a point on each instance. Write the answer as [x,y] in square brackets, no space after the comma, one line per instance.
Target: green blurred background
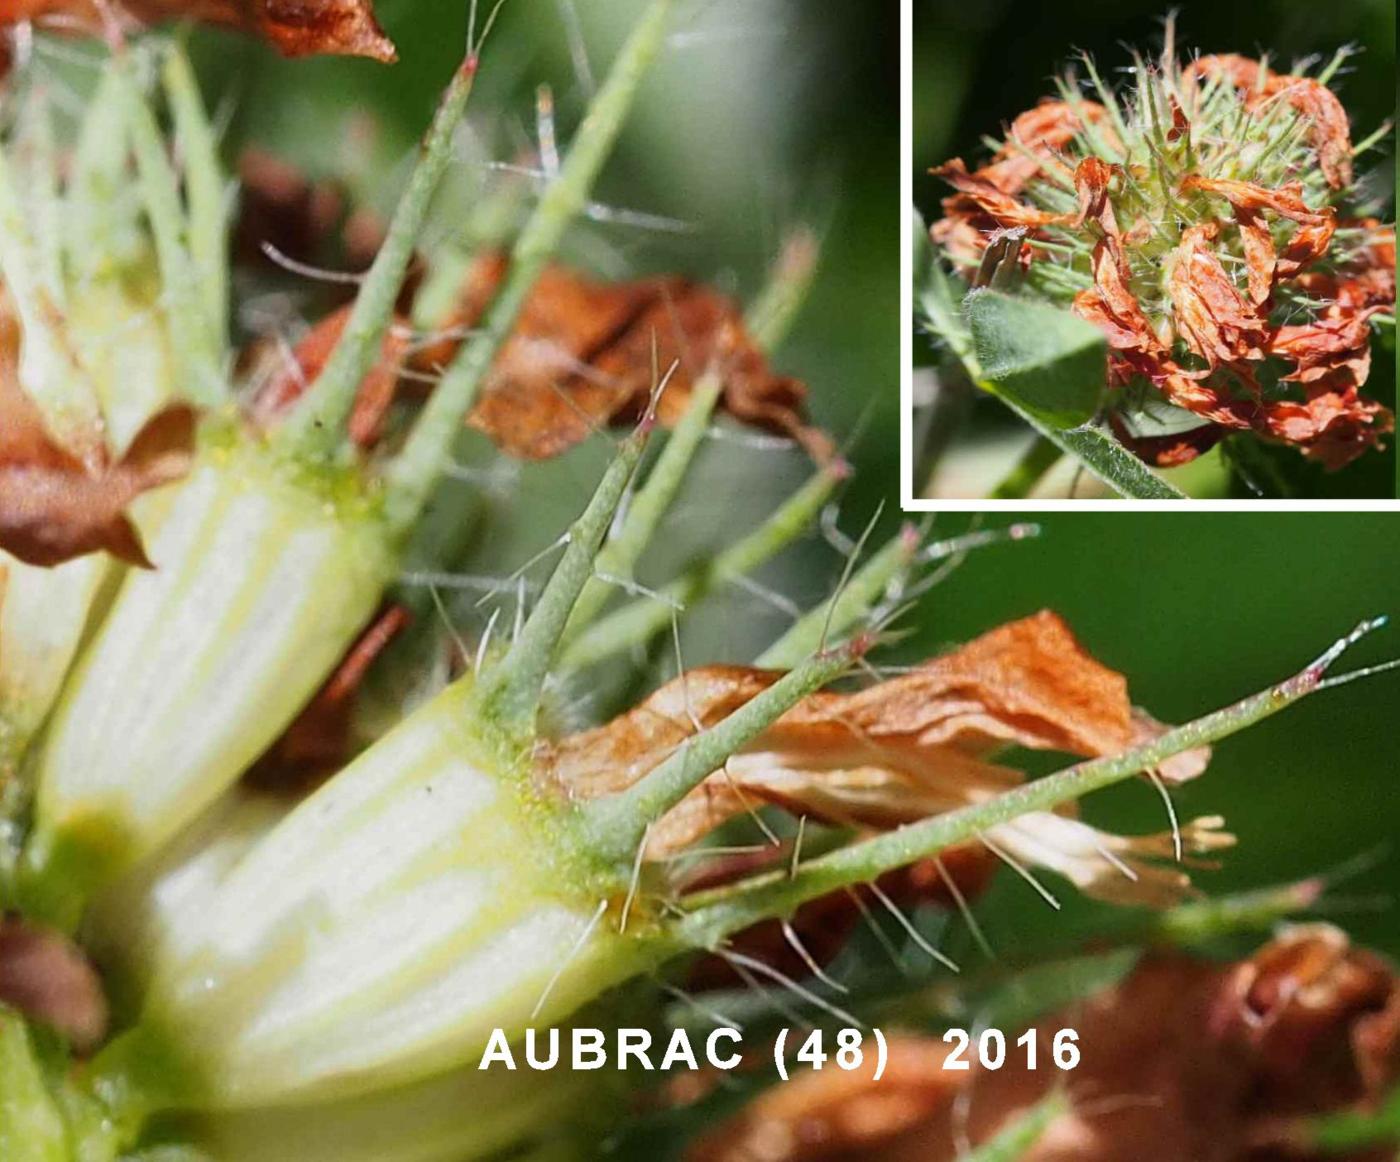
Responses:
[765,113]
[976,66]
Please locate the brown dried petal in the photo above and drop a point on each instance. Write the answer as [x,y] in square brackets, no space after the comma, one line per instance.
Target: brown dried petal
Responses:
[54,508]
[1210,315]
[1337,344]
[1184,1061]
[1091,178]
[294,27]
[582,355]
[1173,450]
[1330,133]
[1260,257]
[45,977]
[984,194]
[1332,427]
[1113,308]
[1036,138]
[904,749]
[1286,200]
[1309,242]
[838,1114]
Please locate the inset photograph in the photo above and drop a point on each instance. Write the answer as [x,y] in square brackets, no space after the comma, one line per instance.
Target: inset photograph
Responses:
[1155,254]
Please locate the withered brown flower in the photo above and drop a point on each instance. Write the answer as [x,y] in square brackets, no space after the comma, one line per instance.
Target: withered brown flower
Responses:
[1184,1061]
[585,353]
[1207,224]
[582,354]
[304,28]
[55,506]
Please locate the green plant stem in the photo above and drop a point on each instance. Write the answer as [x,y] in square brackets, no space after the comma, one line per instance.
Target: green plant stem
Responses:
[722,912]
[643,619]
[97,167]
[509,694]
[1025,1130]
[844,609]
[616,825]
[204,188]
[196,357]
[768,320]
[412,476]
[1030,470]
[617,561]
[770,316]
[316,427]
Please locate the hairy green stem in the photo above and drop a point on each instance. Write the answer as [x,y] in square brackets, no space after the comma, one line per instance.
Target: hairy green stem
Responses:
[844,609]
[616,824]
[97,169]
[643,619]
[42,164]
[718,914]
[770,316]
[617,561]
[768,321]
[49,367]
[510,692]
[417,468]
[316,427]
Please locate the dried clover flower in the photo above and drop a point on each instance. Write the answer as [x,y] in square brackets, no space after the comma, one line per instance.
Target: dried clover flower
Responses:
[346,27]
[1183,1059]
[1207,221]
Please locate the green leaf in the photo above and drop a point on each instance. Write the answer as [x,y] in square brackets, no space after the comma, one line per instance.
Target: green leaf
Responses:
[936,298]
[1104,457]
[31,1128]
[1044,359]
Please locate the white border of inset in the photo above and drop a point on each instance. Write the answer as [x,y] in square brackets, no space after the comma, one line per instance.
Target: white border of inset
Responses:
[907,500]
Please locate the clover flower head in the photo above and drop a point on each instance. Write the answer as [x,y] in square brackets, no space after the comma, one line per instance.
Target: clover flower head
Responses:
[1207,220]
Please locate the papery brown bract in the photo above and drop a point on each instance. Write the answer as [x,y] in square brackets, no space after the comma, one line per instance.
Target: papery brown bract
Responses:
[295,27]
[54,507]
[903,749]
[1184,1061]
[584,354]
